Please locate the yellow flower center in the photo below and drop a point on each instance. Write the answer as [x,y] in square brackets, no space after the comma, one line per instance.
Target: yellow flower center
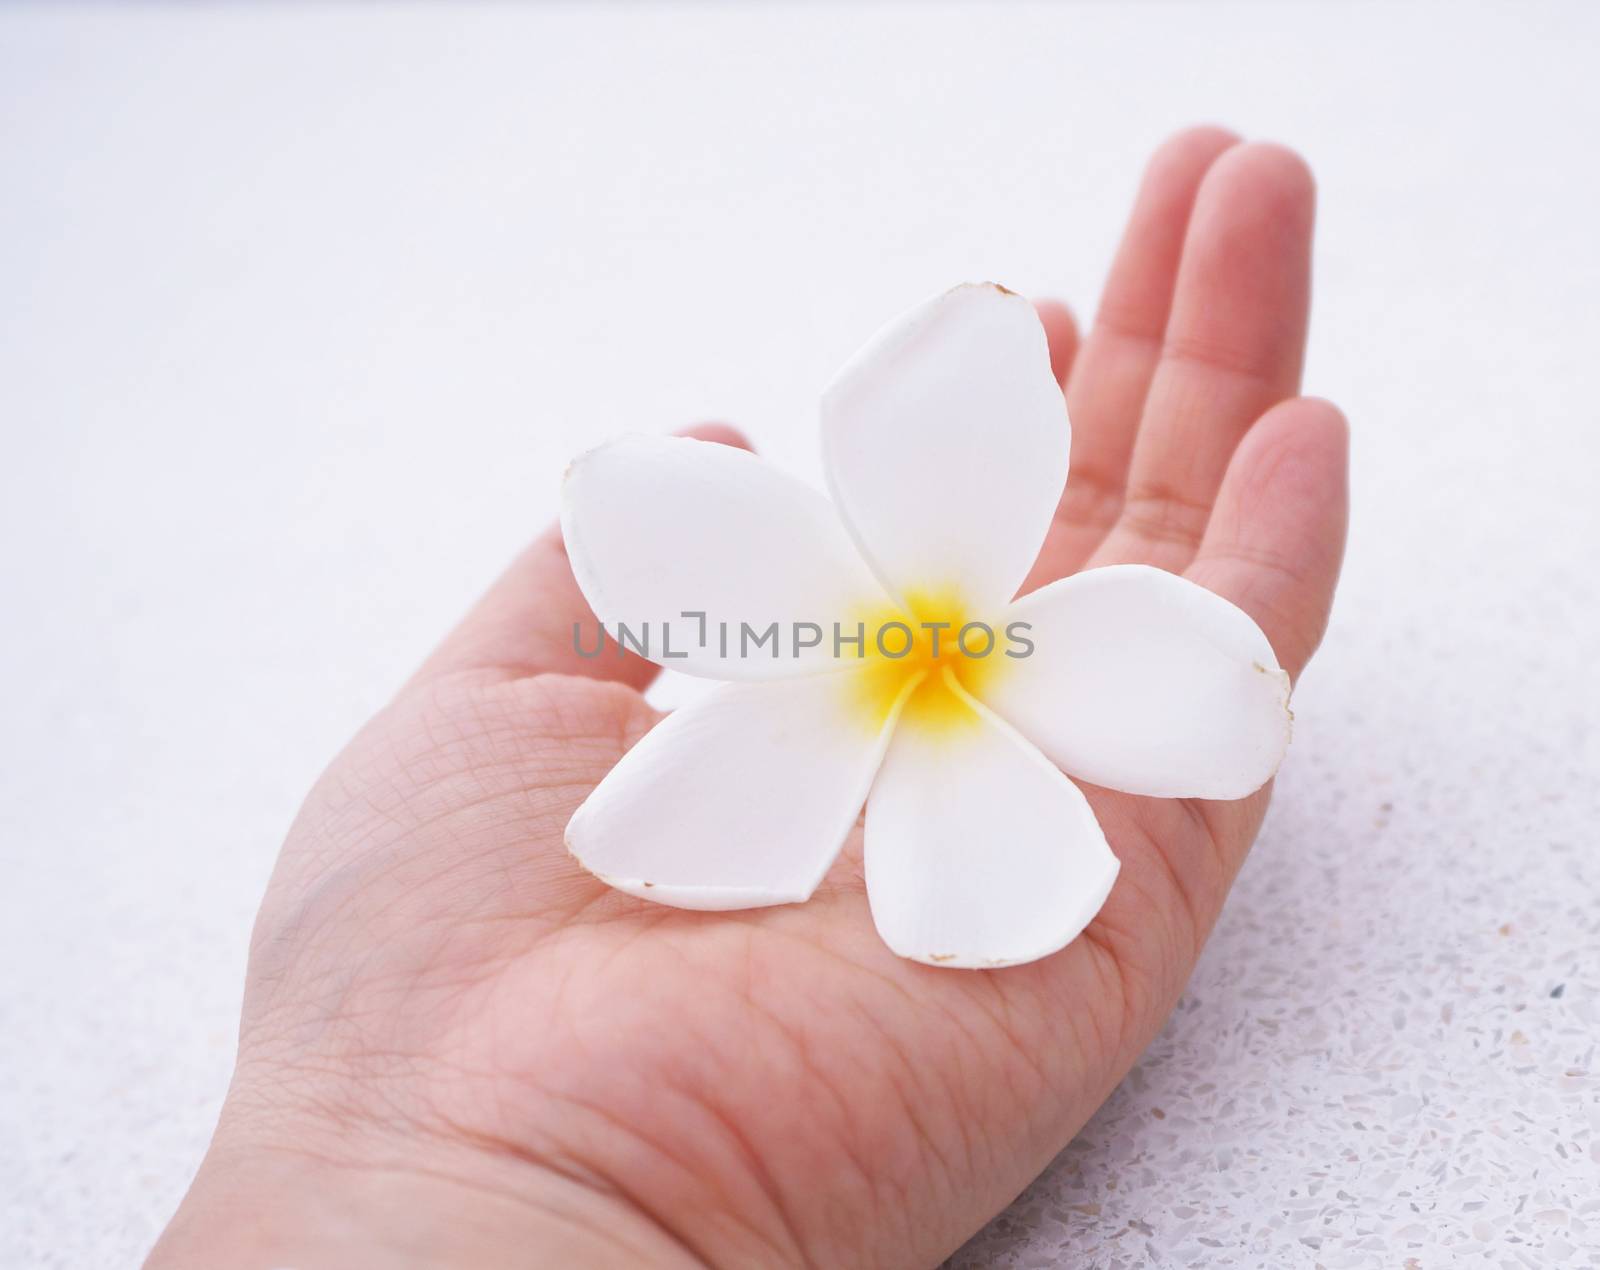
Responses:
[923,652]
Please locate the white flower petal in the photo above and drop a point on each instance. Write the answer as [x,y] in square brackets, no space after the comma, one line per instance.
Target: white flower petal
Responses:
[1145,682]
[978,851]
[945,441]
[656,526]
[737,800]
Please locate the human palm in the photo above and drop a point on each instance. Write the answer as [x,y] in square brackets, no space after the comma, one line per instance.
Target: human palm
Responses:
[446,1014]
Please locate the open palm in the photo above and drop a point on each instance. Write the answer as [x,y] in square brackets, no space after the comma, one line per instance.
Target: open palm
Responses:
[476,1053]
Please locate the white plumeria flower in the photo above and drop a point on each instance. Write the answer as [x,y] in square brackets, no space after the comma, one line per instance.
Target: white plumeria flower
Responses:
[946,443]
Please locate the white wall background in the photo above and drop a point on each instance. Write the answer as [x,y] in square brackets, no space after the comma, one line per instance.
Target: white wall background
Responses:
[302,310]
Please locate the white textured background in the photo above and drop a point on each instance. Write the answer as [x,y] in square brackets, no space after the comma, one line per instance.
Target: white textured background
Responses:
[302,310]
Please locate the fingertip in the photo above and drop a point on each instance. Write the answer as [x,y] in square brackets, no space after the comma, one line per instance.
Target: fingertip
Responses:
[1275,544]
[1272,179]
[1322,419]
[1177,171]
[1289,473]
[1061,332]
[721,433]
[1139,290]
[1244,288]
[1304,438]
[1318,431]
[1288,167]
[1199,142]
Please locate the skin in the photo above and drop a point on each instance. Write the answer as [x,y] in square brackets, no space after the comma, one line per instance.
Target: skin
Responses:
[457,1048]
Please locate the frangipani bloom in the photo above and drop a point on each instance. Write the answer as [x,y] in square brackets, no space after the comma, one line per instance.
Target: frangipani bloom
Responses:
[945,442]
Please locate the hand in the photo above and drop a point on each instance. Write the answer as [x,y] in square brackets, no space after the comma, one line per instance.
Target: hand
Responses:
[459,1049]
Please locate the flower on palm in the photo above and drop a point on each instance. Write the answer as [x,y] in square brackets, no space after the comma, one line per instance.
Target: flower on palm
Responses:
[875,653]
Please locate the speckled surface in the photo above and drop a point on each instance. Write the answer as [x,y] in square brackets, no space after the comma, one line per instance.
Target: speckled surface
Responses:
[292,353]
[1388,1056]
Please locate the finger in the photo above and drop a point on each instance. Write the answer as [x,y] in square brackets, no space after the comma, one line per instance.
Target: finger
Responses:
[1061,332]
[1112,372]
[524,624]
[1276,539]
[1234,345]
